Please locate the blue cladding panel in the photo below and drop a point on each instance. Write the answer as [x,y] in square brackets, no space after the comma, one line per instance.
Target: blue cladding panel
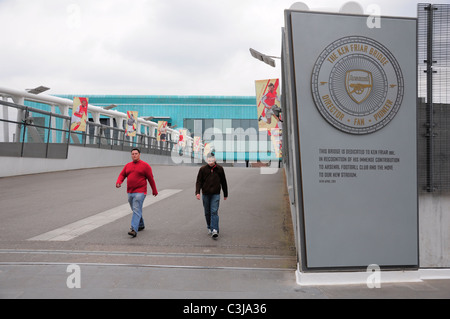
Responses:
[180,107]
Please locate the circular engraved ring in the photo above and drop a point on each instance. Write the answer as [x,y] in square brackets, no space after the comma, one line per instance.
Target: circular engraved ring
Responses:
[357,85]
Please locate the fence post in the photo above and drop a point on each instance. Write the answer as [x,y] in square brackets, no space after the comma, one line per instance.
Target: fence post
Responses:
[430,106]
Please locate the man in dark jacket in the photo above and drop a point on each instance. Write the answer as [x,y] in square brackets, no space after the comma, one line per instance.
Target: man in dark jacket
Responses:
[210,180]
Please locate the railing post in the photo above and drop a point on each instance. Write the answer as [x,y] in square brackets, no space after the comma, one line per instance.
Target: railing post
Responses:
[48,134]
[24,125]
[5,124]
[20,117]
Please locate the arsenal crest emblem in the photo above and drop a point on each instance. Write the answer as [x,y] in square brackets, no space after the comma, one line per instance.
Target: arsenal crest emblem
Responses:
[358,84]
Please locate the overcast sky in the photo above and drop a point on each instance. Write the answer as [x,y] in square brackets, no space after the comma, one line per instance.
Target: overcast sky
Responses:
[148,47]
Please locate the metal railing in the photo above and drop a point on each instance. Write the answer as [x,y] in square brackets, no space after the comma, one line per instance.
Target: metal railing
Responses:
[32,132]
[32,135]
[107,137]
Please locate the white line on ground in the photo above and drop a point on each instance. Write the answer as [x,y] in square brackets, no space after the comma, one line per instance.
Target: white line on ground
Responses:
[88,224]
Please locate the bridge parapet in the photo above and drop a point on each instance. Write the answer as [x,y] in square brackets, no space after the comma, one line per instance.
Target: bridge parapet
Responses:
[32,132]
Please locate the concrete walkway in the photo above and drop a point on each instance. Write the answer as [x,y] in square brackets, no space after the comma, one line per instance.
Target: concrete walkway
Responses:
[173,257]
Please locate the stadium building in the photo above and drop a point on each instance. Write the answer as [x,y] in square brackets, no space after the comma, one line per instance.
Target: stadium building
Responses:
[229,124]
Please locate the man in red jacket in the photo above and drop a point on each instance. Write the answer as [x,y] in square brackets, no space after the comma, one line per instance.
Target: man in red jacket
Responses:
[138,173]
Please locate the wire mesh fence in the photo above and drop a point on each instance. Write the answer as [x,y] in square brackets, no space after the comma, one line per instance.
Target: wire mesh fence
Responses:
[434,97]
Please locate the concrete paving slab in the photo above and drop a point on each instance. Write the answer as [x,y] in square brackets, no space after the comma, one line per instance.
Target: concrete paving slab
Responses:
[254,257]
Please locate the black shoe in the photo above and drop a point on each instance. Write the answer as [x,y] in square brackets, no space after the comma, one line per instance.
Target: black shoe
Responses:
[132,233]
[141,228]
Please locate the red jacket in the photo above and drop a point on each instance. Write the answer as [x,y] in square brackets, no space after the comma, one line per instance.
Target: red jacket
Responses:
[138,173]
[270,97]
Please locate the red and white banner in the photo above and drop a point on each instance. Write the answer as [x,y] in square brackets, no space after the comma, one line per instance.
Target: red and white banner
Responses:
[79,114]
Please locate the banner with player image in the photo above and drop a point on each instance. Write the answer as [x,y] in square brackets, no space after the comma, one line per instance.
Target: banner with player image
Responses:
[277,141]
[269,111]
[162,131]
[268,104]
[182,135]
[131,123]
[79,114]
[196,147]
[182,138]
[208,149]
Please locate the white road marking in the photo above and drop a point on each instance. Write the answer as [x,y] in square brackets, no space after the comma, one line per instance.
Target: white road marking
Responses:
[88,224]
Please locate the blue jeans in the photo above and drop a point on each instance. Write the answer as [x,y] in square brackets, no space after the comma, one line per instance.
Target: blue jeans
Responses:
[136,201]
[211,206]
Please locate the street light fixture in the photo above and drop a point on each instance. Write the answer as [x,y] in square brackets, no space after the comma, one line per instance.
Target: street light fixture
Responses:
[110,107]
[38,90]
[268,59]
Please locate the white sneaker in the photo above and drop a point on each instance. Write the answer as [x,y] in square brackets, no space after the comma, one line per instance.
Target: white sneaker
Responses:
[215,234]
[209,232]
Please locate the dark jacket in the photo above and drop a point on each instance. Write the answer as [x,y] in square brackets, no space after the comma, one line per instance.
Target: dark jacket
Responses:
[210,180]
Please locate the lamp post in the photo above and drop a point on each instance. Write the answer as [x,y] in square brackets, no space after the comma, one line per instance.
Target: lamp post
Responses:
[38,90]
[110,107]
[268,59]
